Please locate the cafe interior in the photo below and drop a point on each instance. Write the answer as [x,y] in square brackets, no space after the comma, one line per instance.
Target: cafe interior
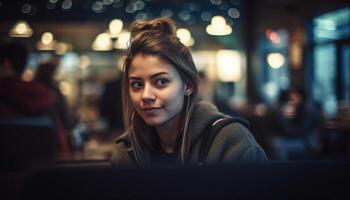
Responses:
[283,65]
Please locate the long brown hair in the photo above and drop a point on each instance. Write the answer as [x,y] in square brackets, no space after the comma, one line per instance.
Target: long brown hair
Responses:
[157,37]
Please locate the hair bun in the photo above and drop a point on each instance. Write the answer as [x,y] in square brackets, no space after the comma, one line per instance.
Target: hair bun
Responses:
[162,25]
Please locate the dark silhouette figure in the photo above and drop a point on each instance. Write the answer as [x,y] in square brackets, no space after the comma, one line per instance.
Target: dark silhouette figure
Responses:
[18,97]
[111,105]
[27,136]
[294,125]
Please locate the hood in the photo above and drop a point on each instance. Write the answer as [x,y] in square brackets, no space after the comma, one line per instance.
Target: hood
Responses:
[203,114]
[25,97]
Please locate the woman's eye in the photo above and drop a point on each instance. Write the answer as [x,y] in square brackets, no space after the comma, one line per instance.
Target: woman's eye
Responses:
[162,82]
[136,85]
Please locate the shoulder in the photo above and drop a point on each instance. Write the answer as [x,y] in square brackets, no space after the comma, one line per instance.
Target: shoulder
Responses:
[236,133]
[203,115]
[235,142]
[120,156]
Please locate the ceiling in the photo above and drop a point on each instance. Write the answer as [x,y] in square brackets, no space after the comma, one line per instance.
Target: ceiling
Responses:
[101,10]
[79,21]
[97,10]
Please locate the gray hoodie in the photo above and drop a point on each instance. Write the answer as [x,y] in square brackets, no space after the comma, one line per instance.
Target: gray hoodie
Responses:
[233,143]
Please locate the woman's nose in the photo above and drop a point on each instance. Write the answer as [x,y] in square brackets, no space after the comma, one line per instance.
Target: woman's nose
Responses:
[148,94]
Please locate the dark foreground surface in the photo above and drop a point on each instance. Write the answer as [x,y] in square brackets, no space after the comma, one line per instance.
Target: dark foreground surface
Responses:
[97,180]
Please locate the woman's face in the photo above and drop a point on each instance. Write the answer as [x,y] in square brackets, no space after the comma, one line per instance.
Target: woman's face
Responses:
[156,90]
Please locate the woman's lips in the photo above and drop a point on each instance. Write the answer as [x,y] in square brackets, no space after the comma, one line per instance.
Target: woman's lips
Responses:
[151,111]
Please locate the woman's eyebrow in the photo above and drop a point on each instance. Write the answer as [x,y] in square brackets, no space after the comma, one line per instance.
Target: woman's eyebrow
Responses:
[152,76]
[134,77]
[158,74]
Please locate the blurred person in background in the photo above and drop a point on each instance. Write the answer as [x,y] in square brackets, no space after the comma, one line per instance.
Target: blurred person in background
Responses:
[110,105]
[18,97]
[60,113]
[295,125]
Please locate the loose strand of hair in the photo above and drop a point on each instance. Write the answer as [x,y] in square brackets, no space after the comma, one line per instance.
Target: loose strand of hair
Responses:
[186,138]
[135,144]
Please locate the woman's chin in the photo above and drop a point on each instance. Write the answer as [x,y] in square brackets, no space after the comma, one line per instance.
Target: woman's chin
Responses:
[152,122]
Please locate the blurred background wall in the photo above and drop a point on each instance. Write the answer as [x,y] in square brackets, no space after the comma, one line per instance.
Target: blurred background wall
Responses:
[282,64]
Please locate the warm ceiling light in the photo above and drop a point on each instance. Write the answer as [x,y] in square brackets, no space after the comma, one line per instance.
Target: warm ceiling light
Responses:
[229,67]
[102,42]
[47,38]
[218,26]
[123,40]
[115,26]
[185,36]
[275,60]
[47,42]
[21,29]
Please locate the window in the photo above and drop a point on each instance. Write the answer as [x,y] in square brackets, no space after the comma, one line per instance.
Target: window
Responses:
[331,59]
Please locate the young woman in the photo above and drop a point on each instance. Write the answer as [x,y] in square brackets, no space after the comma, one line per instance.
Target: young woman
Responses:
[163,120]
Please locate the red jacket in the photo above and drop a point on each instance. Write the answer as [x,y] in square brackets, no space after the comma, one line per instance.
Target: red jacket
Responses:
[19,97]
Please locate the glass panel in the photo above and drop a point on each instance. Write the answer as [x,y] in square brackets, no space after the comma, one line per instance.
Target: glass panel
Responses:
[332,25]
[345,63]
[325,74]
